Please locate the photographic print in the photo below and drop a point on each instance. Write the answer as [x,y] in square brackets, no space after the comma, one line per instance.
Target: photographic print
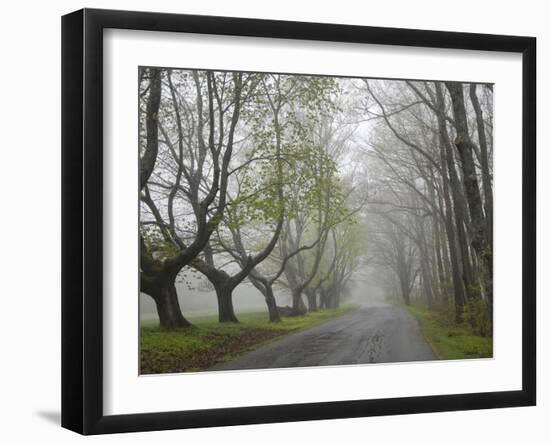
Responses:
[290,220]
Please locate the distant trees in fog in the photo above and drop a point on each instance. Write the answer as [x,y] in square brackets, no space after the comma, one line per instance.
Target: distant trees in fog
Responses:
[431,191]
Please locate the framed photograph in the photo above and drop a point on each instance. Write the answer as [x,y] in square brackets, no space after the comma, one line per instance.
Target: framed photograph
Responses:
[269,221]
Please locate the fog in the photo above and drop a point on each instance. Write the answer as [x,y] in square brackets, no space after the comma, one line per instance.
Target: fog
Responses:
[194,303]
[364,290]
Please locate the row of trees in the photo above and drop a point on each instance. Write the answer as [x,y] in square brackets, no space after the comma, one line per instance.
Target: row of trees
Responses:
[431,198]
[279,181]
[239,181]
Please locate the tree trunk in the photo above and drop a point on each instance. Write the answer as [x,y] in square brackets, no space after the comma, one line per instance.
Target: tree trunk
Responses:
[168,308]
[334,298]
[465,147]
[446,258]
[405,292]
[426,282]
[449,182]
[225,304]
[298,306]
[149,158]
[266,288]
[311,300]
[467,271]
[442,278]
[274,315]
[445,250]
[222,282]
[459,213]
[484,161]
[323,304]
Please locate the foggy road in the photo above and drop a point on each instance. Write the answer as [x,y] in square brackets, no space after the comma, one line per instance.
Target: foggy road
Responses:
[373,334]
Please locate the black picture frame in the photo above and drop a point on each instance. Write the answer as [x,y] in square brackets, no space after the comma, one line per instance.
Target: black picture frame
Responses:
[82,215]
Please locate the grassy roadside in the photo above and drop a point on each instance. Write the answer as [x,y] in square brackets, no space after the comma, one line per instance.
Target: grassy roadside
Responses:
[210,342]
[448,340]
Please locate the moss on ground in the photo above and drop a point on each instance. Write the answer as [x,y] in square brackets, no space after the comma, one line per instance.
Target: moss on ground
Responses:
[449,340]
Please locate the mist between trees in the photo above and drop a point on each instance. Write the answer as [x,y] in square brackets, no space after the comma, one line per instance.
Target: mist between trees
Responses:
[305,190]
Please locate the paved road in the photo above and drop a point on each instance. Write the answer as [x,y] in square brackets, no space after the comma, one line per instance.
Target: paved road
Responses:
[375,334]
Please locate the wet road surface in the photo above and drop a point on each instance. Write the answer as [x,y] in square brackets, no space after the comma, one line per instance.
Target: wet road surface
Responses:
[374,334]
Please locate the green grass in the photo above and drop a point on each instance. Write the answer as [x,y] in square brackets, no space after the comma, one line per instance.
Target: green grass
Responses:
[209,342]
[448,340]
